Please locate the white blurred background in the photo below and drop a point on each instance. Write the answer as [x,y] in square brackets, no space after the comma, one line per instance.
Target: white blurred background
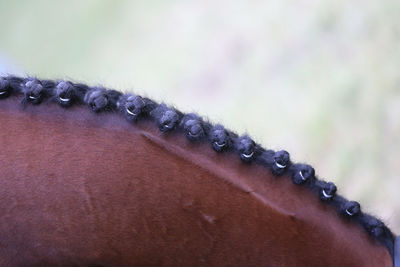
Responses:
[317,78]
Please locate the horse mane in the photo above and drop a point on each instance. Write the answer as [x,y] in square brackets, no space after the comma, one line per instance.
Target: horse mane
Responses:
[196,129]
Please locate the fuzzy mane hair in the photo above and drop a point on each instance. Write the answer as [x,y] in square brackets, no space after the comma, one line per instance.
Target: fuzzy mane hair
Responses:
[196,129]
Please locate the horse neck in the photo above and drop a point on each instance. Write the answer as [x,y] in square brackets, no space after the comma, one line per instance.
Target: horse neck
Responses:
[105,191]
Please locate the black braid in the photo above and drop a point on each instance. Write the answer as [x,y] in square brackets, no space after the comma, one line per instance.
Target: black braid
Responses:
[5,87]
[193,126]
[221,139]
[101,99]
[302,173]
[350,208]
[168,119]
[327,190]
[247,148]
[67,93]
[36,90]
[132,106]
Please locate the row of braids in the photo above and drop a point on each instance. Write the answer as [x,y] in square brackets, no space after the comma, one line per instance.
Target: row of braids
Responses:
[134,107]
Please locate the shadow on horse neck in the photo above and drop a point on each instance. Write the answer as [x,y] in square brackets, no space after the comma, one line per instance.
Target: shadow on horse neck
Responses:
[79,188]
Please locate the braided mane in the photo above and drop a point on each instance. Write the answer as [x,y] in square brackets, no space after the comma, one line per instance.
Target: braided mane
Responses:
[134,107]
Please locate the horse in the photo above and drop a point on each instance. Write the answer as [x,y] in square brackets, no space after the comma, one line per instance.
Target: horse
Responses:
[93,177]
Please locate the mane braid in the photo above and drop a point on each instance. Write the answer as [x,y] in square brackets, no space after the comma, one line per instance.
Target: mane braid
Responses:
[134,107]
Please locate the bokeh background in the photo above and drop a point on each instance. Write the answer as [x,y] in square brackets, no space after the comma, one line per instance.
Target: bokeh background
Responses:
[317,78]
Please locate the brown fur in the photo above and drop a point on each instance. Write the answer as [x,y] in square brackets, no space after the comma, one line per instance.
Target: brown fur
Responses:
[78,188]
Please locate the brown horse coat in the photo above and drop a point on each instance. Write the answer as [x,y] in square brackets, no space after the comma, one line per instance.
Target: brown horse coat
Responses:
[78,188]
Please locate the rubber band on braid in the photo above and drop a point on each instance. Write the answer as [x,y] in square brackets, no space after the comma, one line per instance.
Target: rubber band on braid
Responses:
[193,126]
[166,118]
[302,173]
[220,138]
[5,87]
[35,91]
[65,93]
[278,161]
[131,106]
[247,148]
[281,162]
[350,208]
[326,190]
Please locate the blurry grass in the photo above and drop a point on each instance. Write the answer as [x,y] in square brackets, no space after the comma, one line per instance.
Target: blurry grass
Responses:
[319,79]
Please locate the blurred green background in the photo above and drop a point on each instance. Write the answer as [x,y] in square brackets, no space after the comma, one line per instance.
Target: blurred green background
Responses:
[317,78]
